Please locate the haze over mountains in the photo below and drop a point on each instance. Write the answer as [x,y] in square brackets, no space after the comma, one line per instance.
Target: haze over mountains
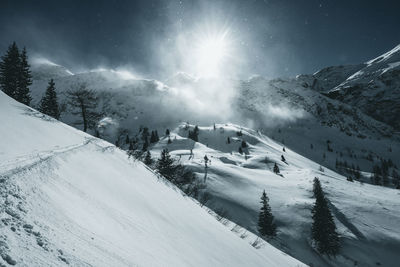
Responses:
[70,198]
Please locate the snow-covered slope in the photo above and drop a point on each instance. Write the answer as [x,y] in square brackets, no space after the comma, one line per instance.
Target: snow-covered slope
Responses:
[367,216]
[69,198]
[293,111]
[375,88]
[43,69]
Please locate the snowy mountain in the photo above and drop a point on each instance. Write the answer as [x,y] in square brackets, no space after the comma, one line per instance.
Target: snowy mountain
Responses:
[291,111]
[68,198]
[375,88]
[328,122]
[367,223]
[43,69]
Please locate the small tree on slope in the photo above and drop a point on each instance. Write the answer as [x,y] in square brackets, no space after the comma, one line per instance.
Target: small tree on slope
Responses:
[147,159]
[276,168]
[49,103]
[323,229]
[266,225]
[165,165]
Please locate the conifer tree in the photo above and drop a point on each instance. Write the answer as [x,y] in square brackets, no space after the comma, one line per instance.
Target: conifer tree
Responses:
[169,140]
[49,103]
[156,135]
[266,225]
[323,229]
[127,141]
[131,147]
[240,150]
[377,175]
[283,158]
[194,135]
[165,165]
[152,137]
[147,159]
[395,178]
[167,132]
[85,101]
[24,80]
[10,70]
[145,144]
[244,145]
[276,168]
[228,140]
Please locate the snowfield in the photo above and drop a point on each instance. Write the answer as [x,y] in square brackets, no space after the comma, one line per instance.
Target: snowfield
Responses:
[69,198]
[367,216]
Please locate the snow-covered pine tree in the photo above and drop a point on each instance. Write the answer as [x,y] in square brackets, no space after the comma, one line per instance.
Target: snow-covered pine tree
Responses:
[165,165]
[266,225]
[24,80]
[323,229]
[9,71]
[49,102]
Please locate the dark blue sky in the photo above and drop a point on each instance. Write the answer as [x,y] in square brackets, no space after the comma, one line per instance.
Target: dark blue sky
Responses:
[272,37]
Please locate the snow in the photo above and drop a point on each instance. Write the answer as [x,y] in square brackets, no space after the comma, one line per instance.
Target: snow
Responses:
[366,215]
[67,197]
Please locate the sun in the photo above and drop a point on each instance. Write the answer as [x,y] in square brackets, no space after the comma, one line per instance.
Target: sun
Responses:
[211,53]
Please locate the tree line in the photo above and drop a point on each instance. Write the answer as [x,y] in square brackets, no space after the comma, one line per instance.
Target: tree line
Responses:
[16,77]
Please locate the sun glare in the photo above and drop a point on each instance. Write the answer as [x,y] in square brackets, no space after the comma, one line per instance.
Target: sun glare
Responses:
[211,52]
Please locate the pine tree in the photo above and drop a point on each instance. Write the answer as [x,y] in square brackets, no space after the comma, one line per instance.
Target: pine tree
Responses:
[156,135]
[131,147]
[317,189]
[145,133]
[276,168]
[145,144]
[10,70]
[49,103]
[244,144]
[147,159]
[228,140]
[377,175]
[167,132]
[323,229]
[266,225]
[165,165]
[240,150]
[169,140]
[24,80]
[395,178]
[283,158]
[85,101]
[127,141]
[152,137]
[194,135]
